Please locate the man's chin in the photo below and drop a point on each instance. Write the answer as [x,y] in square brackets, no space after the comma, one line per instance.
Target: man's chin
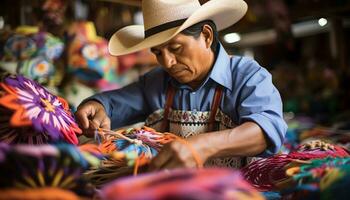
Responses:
[178,78]
[181,80]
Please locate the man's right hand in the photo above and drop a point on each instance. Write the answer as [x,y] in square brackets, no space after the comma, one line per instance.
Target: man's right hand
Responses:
[95,112]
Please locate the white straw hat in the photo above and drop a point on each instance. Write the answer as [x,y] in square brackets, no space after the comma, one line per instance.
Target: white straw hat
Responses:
[163,19]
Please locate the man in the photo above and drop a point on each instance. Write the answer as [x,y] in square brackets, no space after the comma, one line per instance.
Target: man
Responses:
[226,107]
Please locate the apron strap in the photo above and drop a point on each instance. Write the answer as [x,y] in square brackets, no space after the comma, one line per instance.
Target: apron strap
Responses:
[168,103]
[170,99]
[214,107]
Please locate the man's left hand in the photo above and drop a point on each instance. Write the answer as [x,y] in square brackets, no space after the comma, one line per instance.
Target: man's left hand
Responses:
[177,154]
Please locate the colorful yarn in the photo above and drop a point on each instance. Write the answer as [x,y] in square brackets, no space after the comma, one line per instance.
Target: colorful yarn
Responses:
[125,151]
[28,166]
[135,142]
[270,173]
[33,106]
[182,184]
[149,136]
[19,47]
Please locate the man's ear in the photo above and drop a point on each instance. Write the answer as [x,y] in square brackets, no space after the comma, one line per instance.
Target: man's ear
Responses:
[208,35]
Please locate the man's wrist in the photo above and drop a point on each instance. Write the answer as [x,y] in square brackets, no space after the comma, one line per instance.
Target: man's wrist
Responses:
[203,145]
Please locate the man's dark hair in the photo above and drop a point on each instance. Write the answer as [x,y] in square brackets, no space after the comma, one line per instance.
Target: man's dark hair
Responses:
[196,29]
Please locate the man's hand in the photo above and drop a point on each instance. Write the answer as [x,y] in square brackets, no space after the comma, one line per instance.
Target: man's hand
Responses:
[178,154]
[95,112]
[246,139]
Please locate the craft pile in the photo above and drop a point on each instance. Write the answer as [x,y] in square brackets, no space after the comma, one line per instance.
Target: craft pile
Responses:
[195,184]
[24,168]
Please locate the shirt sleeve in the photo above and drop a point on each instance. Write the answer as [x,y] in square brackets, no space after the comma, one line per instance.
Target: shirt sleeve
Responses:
[124,106]
[261,102]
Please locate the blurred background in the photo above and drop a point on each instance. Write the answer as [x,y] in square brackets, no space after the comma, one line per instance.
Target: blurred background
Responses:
[304,43]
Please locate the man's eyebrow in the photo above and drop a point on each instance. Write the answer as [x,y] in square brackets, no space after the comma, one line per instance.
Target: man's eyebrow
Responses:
[162,46]
[154,49]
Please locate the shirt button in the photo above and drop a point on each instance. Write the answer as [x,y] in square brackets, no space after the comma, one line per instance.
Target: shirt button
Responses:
[193,93]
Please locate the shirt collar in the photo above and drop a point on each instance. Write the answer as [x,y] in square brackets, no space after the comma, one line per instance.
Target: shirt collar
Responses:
[219,73]
[221,69]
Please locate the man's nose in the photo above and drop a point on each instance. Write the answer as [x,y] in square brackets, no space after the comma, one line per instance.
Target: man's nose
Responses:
[169,60]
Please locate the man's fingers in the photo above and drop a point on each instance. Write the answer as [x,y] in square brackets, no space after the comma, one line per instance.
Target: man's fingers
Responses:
[101,120]
[89,132]
[82,116]
[106,123]
[160,160]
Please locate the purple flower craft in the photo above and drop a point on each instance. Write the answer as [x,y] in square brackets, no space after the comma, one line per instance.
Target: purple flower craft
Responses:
[30,104]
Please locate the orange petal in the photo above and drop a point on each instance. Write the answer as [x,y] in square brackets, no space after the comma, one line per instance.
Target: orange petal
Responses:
[19,118]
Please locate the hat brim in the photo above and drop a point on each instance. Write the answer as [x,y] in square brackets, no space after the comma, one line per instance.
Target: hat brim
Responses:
[223,13]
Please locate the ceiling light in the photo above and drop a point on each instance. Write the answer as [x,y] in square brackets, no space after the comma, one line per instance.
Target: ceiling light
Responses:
[322,22]
[232,37]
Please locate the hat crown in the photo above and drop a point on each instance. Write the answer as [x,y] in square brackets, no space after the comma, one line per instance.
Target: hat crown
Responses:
[158,12]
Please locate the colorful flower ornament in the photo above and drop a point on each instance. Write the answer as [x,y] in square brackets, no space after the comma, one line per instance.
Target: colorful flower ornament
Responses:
[32,105]
[32,55]
[19,47]
[48,46]
[88,61]
[90,51]
[39,69]
[88,58]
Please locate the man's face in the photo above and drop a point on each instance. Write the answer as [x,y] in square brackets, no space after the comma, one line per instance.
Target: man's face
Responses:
[185,58]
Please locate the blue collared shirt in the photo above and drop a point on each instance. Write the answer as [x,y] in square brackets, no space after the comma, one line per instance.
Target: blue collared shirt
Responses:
[248,95]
